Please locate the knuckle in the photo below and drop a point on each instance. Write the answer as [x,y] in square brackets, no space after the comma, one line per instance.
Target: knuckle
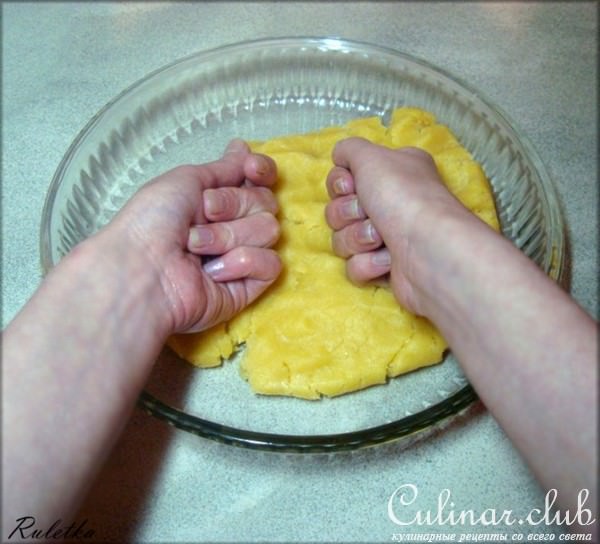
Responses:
[362,271]
[354,272]
[272,228]
[271,264]
[275,267]
[231,202]
[265,200]
[338,244]
[225,236]
[330,215]
[342,212]
[415,151]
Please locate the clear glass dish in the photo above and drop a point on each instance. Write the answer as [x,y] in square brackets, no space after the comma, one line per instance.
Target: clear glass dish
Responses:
[188,111]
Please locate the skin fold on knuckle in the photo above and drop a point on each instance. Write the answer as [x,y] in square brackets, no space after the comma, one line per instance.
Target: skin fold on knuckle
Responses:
[233,203]
[260,230]
[221,204]
[238,297]
[272,206]
[260,199]
[225,236]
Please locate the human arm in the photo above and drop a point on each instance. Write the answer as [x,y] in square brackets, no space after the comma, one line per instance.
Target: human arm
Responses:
[528,349]
[77,355]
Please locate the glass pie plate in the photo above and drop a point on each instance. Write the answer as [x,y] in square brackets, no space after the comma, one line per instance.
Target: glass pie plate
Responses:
[187,111]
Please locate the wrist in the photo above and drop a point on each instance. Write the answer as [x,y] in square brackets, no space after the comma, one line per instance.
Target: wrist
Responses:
[439,249]
[107,271]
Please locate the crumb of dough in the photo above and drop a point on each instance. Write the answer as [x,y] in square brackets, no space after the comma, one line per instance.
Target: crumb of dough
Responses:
[313,333]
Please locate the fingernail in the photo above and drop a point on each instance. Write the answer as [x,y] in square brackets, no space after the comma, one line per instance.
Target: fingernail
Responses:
[350,209]
[381,258]
[214,267]
[214,203]
[201,236]
[341,186]
[261,165]
[367,233]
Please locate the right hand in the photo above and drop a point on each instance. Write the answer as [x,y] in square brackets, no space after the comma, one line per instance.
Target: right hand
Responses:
[384,201]
[223,209]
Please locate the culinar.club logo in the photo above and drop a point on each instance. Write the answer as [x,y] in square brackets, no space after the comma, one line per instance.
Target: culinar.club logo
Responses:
[419,525]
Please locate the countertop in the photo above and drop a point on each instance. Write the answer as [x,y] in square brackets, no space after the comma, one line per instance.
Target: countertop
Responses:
[61,62]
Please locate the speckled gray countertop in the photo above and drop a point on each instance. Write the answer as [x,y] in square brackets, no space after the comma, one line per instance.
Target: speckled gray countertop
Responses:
[62,62]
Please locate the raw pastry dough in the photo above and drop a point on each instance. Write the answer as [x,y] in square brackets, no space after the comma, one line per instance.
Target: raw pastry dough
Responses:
[314,333]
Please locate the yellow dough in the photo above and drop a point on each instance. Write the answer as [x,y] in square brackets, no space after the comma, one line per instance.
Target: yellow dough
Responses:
[314,333]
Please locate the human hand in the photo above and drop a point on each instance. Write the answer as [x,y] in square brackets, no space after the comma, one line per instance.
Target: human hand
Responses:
[383,204]
[223,209]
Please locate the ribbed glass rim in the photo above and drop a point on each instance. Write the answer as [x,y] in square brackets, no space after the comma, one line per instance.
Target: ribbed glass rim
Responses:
[405,427]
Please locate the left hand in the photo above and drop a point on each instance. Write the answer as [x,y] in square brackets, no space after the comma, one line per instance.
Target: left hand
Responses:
[222,209]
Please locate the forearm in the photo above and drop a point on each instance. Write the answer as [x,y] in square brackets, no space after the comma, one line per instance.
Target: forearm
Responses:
[528,349]
[78,373]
